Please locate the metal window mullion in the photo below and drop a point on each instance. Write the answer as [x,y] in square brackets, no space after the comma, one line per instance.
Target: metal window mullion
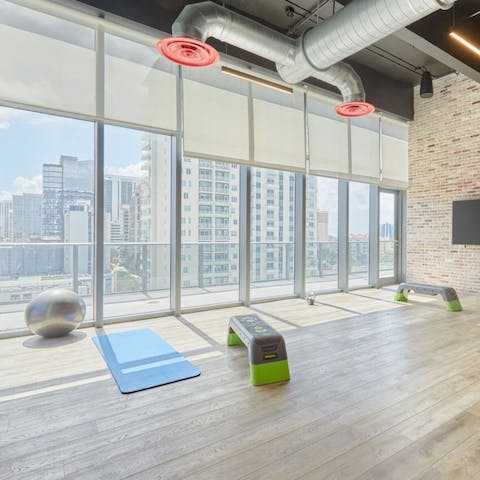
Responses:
[343,248]
[374,237]
[244,244]
[176,206]
[299,245]
[98,277]
[402,236]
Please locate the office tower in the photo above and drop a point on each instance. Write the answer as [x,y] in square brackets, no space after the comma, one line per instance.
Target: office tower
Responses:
[52,202]
[6,220]
[26,212]
[78,175]
[66,183]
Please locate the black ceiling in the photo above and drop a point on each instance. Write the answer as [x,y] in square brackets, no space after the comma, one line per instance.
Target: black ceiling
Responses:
[389,68]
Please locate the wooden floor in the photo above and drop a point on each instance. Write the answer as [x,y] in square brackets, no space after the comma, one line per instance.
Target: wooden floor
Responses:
[378,391]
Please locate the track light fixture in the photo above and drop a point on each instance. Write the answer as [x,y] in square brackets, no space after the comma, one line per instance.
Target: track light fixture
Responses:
[426,85]
[258,80]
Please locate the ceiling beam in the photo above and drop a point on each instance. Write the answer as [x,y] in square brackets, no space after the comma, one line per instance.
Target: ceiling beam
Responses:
[437,53]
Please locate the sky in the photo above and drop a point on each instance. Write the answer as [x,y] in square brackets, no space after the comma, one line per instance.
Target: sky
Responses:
[28,140]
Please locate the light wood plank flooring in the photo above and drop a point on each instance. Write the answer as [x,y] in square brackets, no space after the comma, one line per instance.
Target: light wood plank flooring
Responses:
[379,390]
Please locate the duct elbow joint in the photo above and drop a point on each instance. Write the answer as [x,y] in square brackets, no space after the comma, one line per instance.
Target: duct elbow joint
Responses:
[199,21]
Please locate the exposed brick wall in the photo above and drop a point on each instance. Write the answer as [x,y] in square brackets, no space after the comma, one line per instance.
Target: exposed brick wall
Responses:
[444,165]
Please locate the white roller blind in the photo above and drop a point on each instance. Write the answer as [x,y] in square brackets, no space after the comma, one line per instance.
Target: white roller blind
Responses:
[279,130]
[215,115]
[216,122]
[365,152]
[140,87]
[328,140]
[394,160]
[46,61]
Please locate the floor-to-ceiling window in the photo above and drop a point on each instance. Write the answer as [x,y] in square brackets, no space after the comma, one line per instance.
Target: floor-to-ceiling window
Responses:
[358,234]
[46,209]
[209,232]
[272,222]
[132,95]
[136,222]
[321,234]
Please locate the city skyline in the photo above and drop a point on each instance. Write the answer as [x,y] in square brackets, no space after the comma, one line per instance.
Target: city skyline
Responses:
[71,137]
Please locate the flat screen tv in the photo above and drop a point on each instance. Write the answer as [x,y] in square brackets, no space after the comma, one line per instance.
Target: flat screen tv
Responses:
[466,222]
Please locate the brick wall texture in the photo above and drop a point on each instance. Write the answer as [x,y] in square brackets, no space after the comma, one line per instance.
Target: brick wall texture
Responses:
[444,165]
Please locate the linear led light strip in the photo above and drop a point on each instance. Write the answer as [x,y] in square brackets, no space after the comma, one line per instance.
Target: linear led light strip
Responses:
[259,81]
[465,42]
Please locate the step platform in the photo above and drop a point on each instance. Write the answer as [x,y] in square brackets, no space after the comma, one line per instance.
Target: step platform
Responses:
[449,295]
[266,348]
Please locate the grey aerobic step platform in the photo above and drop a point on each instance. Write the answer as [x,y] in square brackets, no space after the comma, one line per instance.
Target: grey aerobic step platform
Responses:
[448,294]
[266,348]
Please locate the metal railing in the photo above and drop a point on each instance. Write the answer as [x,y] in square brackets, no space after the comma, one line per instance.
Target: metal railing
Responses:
[27,268]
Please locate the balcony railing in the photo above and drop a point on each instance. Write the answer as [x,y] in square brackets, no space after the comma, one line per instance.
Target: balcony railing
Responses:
[140,271]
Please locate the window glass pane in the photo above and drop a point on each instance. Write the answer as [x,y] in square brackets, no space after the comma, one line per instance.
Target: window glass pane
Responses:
[140,86]
[46,61]
[137,221]
[387,248]
[358,233]
[210,232]
[272,222]
[46,209]
[321,234]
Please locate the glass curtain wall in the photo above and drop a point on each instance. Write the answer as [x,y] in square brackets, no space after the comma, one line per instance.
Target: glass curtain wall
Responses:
[321,234]
[46,209]
[210,232]
[272,226]
[47,215]
[358,234]
[136,222]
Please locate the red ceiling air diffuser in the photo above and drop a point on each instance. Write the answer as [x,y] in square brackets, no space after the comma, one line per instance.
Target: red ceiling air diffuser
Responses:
[354,109]
[188,51]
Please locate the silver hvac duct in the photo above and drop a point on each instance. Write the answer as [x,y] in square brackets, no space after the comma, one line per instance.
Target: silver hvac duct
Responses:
[318,53]
[360,24]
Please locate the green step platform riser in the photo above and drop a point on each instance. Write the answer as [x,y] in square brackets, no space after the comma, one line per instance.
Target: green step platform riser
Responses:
[271,372]
[454,306]
[233,339]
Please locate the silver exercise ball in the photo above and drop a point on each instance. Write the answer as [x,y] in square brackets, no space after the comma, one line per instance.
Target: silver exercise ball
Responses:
[55,313]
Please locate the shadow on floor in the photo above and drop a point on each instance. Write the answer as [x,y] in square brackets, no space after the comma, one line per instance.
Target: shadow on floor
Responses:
[40,342]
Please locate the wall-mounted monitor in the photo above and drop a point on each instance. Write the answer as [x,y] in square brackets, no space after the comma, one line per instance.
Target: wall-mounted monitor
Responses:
[466,222]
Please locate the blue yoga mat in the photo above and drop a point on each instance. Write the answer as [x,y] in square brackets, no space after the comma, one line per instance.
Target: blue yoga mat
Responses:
[140,359]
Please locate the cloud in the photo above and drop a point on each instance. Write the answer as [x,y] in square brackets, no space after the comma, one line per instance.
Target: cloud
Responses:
[4,195]
[6,115]
[28,185]
[132,170]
